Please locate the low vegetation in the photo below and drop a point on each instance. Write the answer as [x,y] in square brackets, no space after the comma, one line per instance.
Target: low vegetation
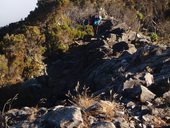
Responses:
[93,106]
[25,45]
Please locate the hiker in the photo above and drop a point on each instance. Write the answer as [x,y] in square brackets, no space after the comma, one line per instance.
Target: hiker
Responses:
[95,21]
[100,26]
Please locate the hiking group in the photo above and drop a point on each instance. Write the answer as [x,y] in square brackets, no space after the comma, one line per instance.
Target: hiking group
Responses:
[100,25]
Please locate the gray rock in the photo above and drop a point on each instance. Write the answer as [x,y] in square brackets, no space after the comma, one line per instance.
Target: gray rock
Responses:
[141,37]
[103,125]
[132,124]
[61,116]
[132,49]
[134,89]
[158,101]
[132,35]
[166,97]
[130,105]
[146,95]
[112,38]
[158,112]
[129,36]
[131,88]
[149,79]
[144,40]
[129,84]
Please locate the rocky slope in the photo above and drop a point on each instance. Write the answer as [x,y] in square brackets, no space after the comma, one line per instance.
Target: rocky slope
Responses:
[122,65]
[55,73]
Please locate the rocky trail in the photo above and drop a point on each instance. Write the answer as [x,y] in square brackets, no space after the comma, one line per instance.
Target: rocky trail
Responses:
[127,74]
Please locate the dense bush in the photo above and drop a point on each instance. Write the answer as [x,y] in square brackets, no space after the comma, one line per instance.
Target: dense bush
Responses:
[61,34]
[34,57]
[22,55]
[3,69]
[14,50]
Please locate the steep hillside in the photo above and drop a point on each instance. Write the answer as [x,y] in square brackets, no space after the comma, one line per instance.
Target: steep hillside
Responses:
[117,78]
[42,31]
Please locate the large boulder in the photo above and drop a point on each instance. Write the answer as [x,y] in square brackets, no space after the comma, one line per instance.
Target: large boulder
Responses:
[134,89]
[62,116]
[146,95]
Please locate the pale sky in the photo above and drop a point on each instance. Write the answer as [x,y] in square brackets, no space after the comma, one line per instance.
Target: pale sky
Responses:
[15,10]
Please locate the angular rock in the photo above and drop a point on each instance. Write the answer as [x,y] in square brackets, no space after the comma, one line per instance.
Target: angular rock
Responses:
[112,38]
[146,95]
[158,101]
[131,88]
[134,89]
[149,79]
[61,116]
[140,36]
[129,36]
[166,97]
[130,104]
[103,125]
[131,49]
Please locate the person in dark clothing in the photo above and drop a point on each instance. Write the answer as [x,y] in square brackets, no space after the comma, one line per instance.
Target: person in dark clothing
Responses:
[95,21]
[100,26]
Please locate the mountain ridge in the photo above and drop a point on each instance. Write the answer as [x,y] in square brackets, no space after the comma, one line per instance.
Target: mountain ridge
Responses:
[117,78]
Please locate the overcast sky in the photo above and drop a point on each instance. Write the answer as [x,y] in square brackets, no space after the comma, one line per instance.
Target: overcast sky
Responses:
[14,10]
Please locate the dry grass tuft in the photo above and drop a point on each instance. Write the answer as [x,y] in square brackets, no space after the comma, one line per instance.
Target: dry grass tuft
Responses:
[83,98]
[93,107]
[103,110]
[106,107]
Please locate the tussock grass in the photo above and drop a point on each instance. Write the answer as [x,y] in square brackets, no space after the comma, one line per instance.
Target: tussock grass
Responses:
[92,107]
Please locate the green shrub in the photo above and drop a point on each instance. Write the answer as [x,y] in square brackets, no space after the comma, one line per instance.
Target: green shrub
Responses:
[14,51]
[154,36]
[24,54]
[3,69]
[61,34]
[33,60]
